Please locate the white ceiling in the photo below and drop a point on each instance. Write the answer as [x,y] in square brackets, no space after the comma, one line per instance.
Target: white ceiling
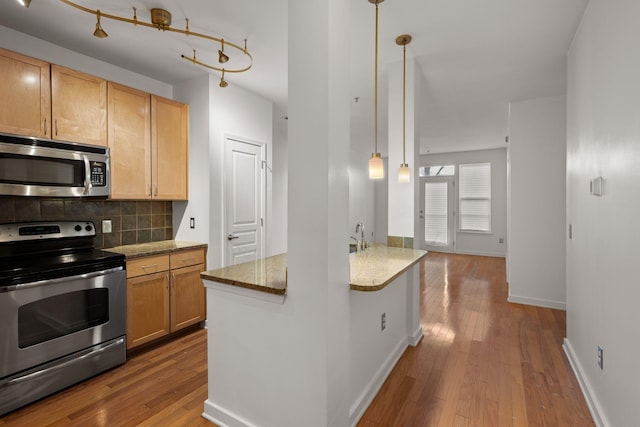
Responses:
[476,55]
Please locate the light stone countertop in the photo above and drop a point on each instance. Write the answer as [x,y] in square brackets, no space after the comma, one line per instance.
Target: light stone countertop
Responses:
[371,270]
[266,275]
[155,248]
[379,265]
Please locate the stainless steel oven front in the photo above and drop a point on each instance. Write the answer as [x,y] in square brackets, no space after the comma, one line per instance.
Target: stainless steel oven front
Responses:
[62,315]
[45,320]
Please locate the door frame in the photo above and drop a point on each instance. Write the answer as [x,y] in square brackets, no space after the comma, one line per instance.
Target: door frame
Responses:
[263,184]
[451,217]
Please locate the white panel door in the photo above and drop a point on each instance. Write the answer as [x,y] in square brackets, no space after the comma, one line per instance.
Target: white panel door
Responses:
[437,213]
[244,200]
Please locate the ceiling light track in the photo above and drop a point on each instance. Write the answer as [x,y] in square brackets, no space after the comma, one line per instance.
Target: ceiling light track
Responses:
[161,20]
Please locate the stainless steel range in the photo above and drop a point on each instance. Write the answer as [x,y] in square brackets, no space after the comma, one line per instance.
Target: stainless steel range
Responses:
[62,309]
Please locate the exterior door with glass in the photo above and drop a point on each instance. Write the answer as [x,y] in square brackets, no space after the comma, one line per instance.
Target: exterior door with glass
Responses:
[437,213]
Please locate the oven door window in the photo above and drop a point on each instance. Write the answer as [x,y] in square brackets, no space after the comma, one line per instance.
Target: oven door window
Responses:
[61,315]
[27,170]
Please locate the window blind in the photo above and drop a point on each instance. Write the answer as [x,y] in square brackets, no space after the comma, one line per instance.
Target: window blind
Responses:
[475,197]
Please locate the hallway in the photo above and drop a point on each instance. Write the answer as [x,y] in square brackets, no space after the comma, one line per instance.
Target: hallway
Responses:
[483,361]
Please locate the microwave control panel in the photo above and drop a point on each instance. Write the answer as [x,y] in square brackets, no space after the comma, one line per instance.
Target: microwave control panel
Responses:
[98,174]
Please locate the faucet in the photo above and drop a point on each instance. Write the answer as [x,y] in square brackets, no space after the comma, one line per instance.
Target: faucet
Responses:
[358,248]
[360,228]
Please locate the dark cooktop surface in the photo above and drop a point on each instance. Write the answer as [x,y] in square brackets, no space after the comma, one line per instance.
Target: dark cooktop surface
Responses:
[34,267]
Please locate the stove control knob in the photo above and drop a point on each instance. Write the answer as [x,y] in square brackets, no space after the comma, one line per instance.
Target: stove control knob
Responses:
[88,228]
[77,228]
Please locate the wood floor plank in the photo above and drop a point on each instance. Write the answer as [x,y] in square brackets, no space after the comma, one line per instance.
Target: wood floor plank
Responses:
[482,362]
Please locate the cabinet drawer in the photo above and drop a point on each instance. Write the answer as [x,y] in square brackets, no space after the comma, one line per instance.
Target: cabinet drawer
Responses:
[147,265]
[187,258]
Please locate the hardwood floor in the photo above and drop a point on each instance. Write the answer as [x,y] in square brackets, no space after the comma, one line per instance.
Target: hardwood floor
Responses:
[482,362]
[164,386]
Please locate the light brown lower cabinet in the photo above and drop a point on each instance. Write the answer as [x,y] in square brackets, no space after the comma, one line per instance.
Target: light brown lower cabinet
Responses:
[164,294]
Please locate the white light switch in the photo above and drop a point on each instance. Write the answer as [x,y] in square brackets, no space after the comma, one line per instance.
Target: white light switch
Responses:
[106,226]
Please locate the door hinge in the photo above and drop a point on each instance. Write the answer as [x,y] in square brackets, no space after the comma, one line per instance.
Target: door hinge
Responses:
[262,222]
[570,232]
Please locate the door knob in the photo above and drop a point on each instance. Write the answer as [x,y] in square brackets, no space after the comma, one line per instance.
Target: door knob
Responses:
[231,237]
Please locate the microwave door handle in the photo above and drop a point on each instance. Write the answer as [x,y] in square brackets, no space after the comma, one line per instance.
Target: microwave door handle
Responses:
[87,175]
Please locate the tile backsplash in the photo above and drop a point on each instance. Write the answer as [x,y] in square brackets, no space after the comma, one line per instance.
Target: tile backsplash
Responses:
[131,221]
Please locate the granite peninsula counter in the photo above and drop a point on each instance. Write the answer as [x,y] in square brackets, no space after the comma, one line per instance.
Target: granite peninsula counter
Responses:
[371,270]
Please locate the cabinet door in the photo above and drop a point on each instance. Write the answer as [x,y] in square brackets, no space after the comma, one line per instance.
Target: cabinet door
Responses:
[147,308]
[170,147]
[187,297]
[78,107]
[129,136]
[25,91]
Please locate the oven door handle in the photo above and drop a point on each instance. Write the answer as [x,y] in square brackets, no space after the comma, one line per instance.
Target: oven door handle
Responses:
[92,352]
[61,279]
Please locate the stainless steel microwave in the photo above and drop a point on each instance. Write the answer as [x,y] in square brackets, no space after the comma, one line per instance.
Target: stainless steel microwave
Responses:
[42,167]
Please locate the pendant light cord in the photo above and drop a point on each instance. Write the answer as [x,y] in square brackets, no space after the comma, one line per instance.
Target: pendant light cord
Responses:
[404,100]
[375,117]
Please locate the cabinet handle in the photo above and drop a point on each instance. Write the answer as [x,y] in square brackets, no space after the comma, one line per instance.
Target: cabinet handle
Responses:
[56,127]
[45,125]
[156,192]
[167,278]
[173,280]
[149,190]
[154,266]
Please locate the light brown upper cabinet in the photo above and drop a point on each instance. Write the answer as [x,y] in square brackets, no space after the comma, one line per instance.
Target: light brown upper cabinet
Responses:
[129,142]
[149,143]
[169,149]
[78,106]
[26,95]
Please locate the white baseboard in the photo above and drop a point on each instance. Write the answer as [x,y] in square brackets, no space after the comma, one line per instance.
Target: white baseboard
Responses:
[415,337]
[558,305]
[369,393]
[477,253]
[595,408]
[221,417]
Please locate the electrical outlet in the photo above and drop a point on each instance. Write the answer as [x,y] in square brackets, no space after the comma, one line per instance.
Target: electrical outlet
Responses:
[600,357]
[501,240]
[383,321]
[192,222]
[106,226]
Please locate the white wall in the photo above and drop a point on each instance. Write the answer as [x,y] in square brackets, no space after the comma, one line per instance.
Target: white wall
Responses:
[401,207]
[40,49]
[280,167]
[196,93]
[602,275]
[361,196]
[537,146]
[481,243]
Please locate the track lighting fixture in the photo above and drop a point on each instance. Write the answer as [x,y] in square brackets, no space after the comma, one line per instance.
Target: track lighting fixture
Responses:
[161,20]
[222,58]
[99,32]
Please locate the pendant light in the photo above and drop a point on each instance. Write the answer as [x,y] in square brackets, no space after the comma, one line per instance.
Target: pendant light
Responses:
[404,173]
[376,166]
